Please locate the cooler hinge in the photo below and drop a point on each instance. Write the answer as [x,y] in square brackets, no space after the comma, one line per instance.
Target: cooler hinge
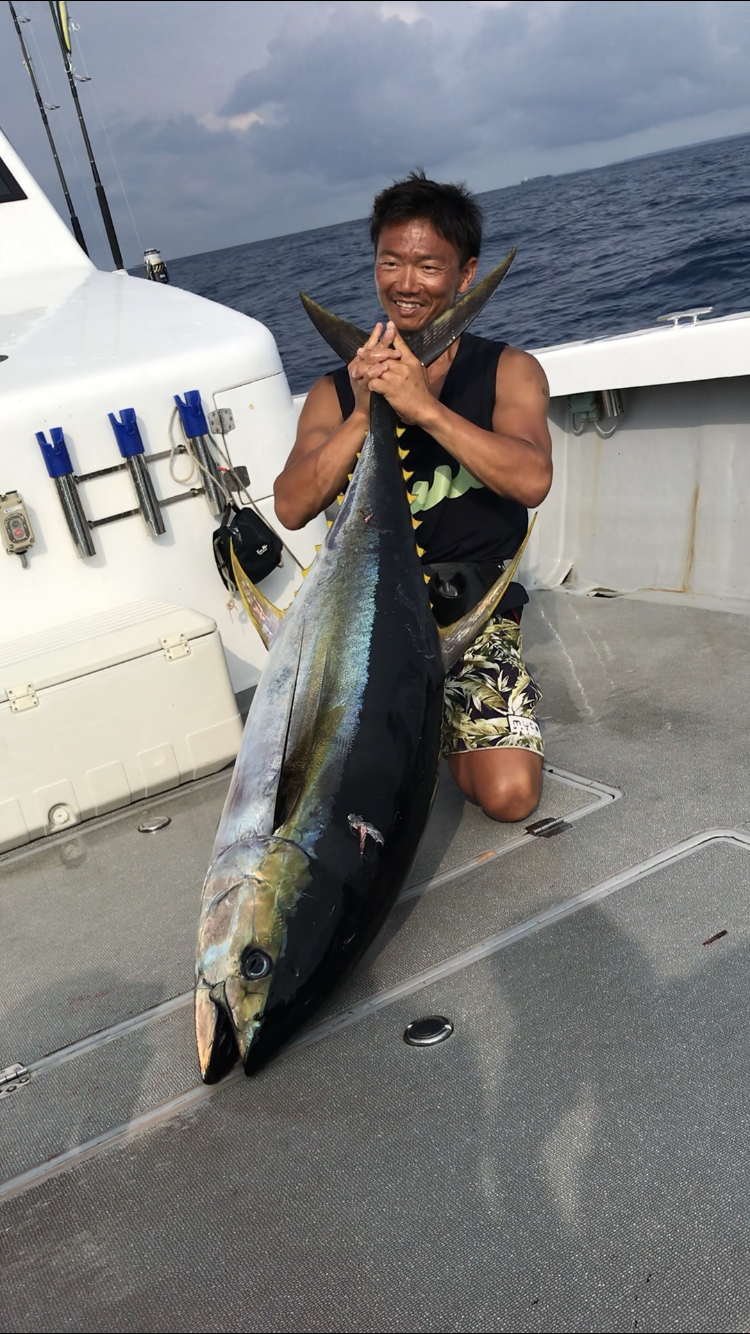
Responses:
[22,697]
[175,646]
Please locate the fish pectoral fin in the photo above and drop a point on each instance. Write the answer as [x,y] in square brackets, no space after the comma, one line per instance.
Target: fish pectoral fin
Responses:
[218,1051]
[345,339]
[455,639]
[300,737]
[429,343]
[265,617]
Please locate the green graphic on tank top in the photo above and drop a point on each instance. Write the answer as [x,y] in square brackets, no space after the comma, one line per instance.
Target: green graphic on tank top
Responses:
[444,486]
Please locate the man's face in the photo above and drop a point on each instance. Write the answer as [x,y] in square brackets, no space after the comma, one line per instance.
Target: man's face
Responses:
[418,274]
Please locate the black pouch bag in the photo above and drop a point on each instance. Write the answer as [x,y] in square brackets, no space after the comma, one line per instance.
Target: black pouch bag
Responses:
[257,547]
[457,587]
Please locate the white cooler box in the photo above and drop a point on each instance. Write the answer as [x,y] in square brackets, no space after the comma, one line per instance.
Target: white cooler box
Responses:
[100,712]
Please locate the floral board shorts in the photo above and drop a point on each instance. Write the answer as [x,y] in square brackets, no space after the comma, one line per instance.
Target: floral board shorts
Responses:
[490,699]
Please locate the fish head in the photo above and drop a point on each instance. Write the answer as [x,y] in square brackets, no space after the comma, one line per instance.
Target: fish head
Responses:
[249,893]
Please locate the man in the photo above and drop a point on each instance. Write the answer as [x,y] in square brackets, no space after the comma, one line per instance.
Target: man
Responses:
[479,454]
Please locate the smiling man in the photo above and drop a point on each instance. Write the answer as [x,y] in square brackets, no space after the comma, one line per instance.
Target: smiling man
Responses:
[480,454]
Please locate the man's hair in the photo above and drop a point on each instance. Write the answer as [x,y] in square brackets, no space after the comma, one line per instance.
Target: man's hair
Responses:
[451,209]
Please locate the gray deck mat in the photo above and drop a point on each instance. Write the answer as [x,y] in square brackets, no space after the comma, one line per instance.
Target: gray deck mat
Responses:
[428,1190]
[574,1157]
[100,926]
[100,1088]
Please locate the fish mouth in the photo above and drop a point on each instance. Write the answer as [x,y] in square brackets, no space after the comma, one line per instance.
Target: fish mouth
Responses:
[228,1018]
[216,1037]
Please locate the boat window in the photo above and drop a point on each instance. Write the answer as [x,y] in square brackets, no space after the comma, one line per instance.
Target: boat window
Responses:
[9,187]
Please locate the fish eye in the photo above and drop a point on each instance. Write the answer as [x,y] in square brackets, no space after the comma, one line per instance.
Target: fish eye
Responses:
[255,963]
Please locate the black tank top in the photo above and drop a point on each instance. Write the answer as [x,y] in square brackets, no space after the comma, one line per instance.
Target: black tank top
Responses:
[461,520]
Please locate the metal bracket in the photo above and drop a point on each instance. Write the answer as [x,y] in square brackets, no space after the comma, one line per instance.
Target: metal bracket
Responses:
[547,828]
[221,421]
[674,316]
[175,646]
[22,697]
[12,1078]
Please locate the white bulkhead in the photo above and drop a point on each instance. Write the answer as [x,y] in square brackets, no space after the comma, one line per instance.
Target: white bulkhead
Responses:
[77,344]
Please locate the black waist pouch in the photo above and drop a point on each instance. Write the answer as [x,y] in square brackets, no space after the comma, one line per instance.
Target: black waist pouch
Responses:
[257,547]
[456,587]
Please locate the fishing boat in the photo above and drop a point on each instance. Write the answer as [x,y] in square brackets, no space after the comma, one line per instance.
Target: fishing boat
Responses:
[526,1108]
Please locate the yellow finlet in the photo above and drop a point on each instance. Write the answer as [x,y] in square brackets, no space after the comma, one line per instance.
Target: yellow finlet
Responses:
[318,547]
[426,578]
[329,522]
[402,453]
[406,475]
[350,475]
[305,571]
[400,431]
[410,497]
[415,522]
[340,498]
[420,551]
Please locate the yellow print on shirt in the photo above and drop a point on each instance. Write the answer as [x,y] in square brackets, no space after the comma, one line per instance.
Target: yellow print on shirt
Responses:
[444,486]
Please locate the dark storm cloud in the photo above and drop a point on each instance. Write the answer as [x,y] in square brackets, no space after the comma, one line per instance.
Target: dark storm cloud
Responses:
[366,95]
[356,99]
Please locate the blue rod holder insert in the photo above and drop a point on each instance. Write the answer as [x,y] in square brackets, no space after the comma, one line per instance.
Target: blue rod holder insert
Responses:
[55,455]
[126,431]
[191,413]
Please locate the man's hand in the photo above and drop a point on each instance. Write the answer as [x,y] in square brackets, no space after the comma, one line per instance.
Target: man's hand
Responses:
[403,381]
[377,351]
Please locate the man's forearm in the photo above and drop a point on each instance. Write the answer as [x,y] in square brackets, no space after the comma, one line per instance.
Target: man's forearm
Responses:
[310,483]
[506,464]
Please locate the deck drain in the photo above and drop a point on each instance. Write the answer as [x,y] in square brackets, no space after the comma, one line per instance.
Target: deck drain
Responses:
[426,1032]
[153,825]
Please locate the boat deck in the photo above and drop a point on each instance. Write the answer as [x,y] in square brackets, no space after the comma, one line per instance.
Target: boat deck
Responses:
[574,1157]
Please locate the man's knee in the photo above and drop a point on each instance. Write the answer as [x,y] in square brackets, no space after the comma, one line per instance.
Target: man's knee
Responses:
[510,797]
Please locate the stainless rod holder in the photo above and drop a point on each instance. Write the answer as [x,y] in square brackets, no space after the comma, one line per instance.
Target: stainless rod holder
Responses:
[145,495]
[75,517]
[201,446]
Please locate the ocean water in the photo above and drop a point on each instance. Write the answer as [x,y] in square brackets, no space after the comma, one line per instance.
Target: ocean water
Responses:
[599,252]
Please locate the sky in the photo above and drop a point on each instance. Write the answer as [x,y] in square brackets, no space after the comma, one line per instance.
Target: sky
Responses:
[217,122]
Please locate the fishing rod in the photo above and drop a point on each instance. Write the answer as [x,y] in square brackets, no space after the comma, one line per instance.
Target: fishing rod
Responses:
[59,12]
[75,224]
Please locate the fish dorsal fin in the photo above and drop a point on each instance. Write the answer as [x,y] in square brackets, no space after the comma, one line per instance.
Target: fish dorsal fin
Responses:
[428,343]
[265,617]
[344,338]
[455,639]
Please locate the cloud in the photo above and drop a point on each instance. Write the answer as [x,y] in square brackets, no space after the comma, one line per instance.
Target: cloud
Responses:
[307,107]
[379,87]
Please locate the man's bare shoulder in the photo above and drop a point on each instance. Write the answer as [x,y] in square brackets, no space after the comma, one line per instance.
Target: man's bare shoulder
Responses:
[517,369]
[322,396]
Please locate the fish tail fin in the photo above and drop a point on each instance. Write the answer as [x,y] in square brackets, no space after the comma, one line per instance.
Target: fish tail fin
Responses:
[455,639]
[430,343]
[265,617]
[344,338]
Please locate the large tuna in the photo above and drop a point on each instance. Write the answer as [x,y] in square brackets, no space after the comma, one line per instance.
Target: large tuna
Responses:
[338,764]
